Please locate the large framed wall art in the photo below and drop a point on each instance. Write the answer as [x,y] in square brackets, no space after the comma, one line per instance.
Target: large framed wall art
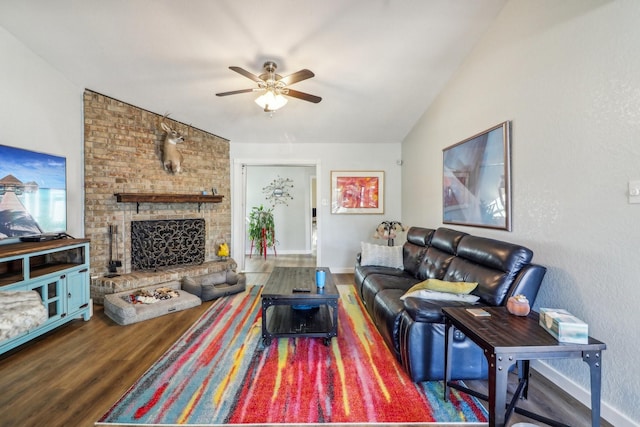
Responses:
[357,192]
[476,182]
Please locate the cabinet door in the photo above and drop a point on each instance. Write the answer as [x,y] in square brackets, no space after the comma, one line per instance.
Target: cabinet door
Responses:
[77,286]
[51,291]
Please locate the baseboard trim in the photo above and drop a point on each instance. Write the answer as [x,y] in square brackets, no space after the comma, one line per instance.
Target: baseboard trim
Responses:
[611,414]
[344,270]
[271,253]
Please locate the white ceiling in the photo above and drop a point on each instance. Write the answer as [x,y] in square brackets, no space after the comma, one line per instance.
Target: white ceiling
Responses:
[378,63]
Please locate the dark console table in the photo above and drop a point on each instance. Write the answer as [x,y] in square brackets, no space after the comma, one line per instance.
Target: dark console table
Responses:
[507,339]
[293,306]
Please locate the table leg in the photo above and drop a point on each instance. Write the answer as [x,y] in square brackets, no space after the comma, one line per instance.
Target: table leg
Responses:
[334,309]
[523,375]
[448,341]
[265,332]
[499,365]
[593,359]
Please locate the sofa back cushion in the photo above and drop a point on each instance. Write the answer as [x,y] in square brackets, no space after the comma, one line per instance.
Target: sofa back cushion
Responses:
[495,254]
[492,284]
[418,239]
[419,236]
[435,264]
[447,239]
[441,252]
[494,264]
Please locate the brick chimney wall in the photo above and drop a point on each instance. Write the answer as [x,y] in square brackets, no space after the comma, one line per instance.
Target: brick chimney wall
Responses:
[123,154]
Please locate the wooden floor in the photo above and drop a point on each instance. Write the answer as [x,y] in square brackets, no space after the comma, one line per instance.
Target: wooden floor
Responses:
[257,264]
[73,375]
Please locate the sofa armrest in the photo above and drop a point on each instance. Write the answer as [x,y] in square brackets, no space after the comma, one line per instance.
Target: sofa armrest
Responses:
[430,311]
[527,282]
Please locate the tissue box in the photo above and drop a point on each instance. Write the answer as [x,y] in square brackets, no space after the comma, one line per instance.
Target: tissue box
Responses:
[564,326]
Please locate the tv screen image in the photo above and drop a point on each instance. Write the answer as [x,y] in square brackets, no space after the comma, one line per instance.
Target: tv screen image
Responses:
[33,193]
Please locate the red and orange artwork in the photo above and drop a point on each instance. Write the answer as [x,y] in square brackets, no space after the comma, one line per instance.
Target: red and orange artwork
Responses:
[358,192]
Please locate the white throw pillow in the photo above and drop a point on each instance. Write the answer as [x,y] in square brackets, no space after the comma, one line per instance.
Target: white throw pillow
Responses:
[385,256]
[440,296]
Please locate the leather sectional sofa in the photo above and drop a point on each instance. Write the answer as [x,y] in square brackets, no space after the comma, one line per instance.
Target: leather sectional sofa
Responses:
[413,328]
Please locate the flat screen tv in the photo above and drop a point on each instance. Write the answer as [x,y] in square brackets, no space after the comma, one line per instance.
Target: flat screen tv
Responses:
[33,193]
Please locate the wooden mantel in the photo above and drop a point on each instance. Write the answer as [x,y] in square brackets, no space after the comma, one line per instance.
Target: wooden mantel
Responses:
[166,198]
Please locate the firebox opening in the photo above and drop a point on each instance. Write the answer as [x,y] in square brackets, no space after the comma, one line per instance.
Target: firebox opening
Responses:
[166,243]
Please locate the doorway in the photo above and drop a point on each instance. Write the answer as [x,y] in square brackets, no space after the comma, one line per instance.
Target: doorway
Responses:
[297,231]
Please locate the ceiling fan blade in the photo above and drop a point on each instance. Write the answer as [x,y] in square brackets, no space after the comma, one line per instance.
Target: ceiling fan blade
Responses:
[246,74]
[235,92]
[303,96]
[297,77]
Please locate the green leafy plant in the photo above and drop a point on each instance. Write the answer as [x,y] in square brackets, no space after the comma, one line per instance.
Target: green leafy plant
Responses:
[261,219]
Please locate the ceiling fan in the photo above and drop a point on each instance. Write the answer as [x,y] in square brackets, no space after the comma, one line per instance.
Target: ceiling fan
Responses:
[274,86]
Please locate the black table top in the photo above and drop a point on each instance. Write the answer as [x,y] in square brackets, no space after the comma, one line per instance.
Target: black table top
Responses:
[284,280]
[503,332]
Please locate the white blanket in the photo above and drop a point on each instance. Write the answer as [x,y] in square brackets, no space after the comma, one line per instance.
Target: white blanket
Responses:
[20,311]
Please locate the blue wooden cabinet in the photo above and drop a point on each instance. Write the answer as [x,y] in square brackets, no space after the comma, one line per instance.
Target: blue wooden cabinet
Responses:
[58,270]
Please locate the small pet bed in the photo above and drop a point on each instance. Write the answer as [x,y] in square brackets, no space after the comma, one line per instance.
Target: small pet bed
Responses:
[129,307]
[215,285]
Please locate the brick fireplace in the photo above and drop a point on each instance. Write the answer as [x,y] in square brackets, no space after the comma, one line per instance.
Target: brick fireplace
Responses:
[123,154]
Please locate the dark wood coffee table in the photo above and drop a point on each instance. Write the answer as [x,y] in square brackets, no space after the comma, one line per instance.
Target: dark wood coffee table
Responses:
[507,339]
[293,306]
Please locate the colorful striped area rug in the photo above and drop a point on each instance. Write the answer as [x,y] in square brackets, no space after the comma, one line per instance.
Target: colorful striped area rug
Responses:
[219,373]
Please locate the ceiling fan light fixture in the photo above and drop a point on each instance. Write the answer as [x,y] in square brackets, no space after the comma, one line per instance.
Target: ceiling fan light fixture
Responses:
[269,101]
[274,87]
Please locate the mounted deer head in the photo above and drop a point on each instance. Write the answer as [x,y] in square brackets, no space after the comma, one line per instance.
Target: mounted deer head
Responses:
[171,157]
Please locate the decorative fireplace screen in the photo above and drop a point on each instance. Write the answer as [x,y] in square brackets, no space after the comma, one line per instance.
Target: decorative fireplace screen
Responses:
[166,243]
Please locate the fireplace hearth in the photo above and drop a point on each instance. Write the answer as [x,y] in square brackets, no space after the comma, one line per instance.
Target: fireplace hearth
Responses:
[159,244]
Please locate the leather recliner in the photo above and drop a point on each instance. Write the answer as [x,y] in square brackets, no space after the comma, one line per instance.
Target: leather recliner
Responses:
[414,328]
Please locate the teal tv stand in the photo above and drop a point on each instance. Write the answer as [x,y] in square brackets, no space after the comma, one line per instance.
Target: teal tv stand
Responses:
[58,270]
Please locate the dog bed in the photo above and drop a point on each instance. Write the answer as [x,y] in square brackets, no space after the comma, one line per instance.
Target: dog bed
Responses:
[215,285]
[129,307]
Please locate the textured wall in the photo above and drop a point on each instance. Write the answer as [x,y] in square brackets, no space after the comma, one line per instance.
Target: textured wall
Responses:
[339,236]
[566,74]
[123,155]
[39,111]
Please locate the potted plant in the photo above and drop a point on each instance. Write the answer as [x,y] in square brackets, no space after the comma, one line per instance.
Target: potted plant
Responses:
[261,229]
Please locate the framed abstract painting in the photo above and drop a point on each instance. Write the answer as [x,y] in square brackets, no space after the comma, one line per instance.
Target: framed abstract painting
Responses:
[357,192]
[476,182]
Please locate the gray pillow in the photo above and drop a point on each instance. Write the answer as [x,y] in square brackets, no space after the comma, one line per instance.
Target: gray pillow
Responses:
[385,256]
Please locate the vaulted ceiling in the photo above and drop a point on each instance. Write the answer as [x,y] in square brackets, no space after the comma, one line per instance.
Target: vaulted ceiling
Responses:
[378,64]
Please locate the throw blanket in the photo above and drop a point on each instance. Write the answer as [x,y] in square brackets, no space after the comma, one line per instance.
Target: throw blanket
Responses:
[20,311]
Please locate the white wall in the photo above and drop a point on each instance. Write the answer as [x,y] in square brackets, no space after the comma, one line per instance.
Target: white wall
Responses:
[566,74]
[42,111]
[339,236]
[293,219]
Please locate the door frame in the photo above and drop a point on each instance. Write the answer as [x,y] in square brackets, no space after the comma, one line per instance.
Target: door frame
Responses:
[238,202]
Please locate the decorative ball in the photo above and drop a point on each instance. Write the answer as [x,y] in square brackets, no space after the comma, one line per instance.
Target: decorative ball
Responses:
[518,305]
